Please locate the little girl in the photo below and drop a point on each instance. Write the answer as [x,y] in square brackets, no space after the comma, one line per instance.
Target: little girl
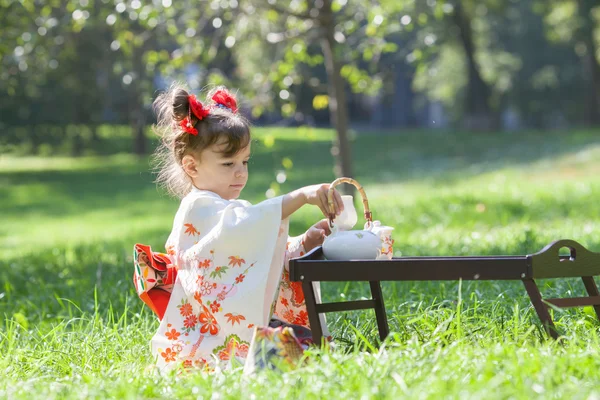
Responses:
[225,271]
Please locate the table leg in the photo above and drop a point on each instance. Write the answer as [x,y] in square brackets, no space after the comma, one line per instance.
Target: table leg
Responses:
[311,308]
[592,290]
[539,306]
[382,323]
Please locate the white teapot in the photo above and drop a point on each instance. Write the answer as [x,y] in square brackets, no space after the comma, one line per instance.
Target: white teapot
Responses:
[345,244]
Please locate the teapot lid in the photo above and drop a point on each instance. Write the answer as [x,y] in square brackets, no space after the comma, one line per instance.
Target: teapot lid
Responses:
[376,225]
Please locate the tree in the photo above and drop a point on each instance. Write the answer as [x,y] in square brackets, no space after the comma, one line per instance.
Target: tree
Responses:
[447,50]
[330,24]
[478,110]
[67,62]
[544,88]
[572,23]
[162,38]
[44,53]
[586,35]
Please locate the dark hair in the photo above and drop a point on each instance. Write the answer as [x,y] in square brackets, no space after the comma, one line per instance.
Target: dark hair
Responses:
[222,124]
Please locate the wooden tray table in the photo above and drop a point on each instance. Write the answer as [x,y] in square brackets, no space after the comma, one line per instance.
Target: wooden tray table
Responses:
[547,263]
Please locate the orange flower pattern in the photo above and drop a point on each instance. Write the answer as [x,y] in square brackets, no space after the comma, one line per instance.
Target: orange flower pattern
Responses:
[236,261]
[234,318]
[171,250]
[191,230]
[185,309]
[208,322]
[190,322]
[291,305]
[173,334]
[215,306]
[168,355]
[207,319]
[205,322]
[233,346]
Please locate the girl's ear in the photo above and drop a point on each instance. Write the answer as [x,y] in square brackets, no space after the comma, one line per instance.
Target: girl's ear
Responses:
[190,165]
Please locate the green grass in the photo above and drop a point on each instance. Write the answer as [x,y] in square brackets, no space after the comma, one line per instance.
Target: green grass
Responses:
[72,326]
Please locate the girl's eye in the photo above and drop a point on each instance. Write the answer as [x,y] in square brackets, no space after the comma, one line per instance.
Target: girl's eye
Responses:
[229,164]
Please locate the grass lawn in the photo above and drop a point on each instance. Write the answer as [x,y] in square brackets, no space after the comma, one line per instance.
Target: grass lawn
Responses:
[72,327]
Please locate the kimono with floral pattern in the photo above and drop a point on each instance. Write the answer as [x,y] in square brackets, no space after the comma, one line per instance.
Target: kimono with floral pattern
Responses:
[231,276]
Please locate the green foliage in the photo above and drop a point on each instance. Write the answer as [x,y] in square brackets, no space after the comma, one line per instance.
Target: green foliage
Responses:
[96,56]
[442,78]
[297,56]
[90,62]
[526,52]
[73,327]
[56,140]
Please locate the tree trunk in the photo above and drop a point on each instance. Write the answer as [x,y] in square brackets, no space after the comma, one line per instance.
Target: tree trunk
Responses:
[590,62]
[136,111]
[95,127]
[478,114]
[338,107]
[76,139]
[137,128]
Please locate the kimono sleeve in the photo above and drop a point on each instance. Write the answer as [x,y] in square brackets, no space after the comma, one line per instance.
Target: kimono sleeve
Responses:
[294,248]
[229,245]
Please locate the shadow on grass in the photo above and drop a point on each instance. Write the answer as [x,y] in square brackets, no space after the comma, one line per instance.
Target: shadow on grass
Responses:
[33,284]
[60,282]
[68,281]
[434,156]
[441,156]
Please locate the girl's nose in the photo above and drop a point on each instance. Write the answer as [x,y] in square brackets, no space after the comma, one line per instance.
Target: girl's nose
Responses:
[240,172]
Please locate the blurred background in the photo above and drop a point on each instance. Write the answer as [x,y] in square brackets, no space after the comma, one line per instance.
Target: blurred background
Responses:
[473,126]
[74,73]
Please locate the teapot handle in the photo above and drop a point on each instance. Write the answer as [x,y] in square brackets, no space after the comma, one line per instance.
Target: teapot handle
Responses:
[360,189]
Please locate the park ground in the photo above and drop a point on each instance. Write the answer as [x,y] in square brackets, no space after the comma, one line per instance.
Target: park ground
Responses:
[71,325]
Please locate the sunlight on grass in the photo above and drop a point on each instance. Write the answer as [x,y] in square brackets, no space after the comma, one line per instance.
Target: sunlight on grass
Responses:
[72,326]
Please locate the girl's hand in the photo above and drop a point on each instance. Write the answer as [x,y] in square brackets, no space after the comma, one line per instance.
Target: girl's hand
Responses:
[317,196]
[315,235]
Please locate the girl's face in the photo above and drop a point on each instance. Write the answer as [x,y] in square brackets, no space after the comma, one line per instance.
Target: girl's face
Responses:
[225,176]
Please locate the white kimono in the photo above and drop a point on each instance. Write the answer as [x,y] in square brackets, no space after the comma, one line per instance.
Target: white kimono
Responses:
[230,258]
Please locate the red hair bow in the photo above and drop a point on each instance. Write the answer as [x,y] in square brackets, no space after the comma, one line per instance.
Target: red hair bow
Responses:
[223,99]
[198,110]
[187,126]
